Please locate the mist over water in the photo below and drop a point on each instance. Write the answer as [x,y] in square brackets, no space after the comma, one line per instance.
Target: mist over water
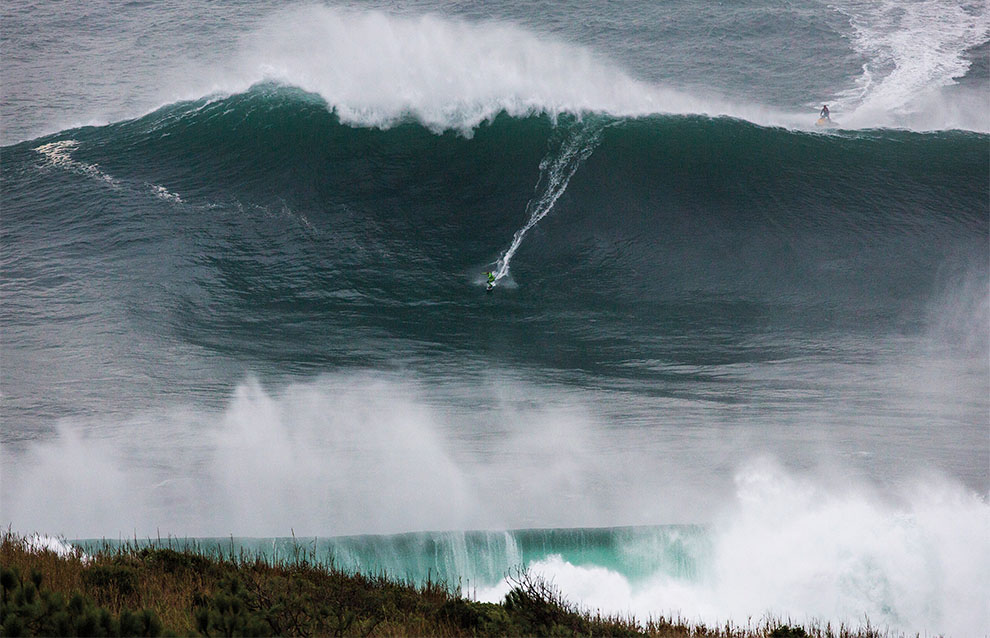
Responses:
[314,455]
[818,551]
[819,540]
[739,365]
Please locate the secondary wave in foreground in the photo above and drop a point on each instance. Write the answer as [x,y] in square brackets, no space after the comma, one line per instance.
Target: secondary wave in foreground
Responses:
[361,454]
[786,546]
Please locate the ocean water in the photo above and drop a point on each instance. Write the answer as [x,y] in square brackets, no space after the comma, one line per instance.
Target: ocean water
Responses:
[733,363]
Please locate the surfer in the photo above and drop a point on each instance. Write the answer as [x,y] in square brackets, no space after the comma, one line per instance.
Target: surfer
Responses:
[491,279]
[824,118]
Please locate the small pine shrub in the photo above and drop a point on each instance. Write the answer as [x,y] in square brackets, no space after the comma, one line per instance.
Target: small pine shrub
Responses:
[171,561]
[112,578]
[28,609]
[231,612]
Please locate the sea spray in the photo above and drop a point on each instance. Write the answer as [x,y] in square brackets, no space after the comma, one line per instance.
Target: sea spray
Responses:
[457,71]
[804,549]
[788,545]
[556,170]
[912,53]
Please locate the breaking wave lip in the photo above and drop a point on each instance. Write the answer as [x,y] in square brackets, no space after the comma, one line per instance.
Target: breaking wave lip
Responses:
[378,70]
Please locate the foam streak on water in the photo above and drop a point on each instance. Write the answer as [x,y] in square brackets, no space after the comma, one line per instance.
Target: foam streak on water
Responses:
[59,155]
[556,171]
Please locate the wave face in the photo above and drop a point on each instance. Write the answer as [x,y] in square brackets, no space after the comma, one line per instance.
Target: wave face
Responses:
[259,227]
[659,194]
[674,257]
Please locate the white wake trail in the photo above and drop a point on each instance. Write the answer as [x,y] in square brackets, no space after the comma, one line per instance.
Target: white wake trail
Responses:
[556,171]
[914,51]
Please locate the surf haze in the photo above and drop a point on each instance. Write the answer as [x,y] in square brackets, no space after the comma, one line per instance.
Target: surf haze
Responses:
[731,364]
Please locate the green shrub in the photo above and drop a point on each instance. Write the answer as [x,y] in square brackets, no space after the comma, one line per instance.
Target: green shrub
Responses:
[171,561]
[480,619]
[537,607]
[28,609]
[123,580]
[231,612]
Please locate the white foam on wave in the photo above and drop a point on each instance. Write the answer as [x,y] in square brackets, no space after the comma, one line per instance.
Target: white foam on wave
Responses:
[793,548]
[377,69]
[165,194]
[915,50]
[37,543]
[59,155]
[340,455]
[347,454]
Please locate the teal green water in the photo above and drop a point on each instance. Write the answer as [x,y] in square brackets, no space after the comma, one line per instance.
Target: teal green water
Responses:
[470,559]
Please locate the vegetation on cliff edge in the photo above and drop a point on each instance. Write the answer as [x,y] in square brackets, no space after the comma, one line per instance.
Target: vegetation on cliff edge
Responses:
[153,591]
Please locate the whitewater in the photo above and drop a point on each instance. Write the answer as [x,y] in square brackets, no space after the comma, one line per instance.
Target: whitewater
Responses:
[449,72]
[733,366]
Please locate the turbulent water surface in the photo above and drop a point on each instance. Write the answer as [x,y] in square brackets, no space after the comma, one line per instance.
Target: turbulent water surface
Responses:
[732,363]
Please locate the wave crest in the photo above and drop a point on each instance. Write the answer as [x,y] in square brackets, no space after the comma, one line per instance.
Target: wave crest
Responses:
[377,69]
